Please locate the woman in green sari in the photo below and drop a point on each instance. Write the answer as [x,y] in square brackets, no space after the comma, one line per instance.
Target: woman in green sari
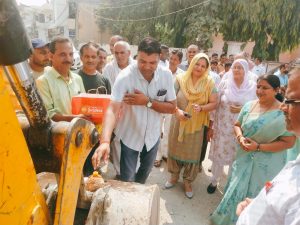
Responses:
[262,140]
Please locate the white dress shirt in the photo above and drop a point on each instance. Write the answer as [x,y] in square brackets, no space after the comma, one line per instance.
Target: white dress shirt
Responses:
[259,70]
[139,125]
[178,71]
[111,70]
[164,64]
[278,205]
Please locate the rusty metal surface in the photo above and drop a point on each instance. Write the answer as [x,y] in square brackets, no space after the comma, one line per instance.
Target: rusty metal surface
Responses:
[25,89]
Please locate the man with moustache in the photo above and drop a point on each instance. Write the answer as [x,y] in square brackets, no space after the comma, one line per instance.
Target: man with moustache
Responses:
[93,82]
[278,203]
[92,79]
[58,84]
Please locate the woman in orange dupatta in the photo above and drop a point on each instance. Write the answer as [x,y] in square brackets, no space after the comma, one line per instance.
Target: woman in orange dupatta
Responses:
[196,96]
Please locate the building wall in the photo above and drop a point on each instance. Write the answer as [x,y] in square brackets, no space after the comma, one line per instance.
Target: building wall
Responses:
[87,28]
[283,57]
[290,56]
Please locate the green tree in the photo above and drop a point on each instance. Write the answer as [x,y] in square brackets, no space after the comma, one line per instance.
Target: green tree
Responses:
[178,30]
[274,25]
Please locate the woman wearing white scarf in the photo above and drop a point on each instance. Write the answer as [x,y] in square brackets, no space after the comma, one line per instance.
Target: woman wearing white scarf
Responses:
[234,92]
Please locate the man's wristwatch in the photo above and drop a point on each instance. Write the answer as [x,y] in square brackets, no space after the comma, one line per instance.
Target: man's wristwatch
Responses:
[149,103]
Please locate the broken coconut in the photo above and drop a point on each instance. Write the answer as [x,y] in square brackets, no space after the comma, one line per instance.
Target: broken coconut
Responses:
[94,182]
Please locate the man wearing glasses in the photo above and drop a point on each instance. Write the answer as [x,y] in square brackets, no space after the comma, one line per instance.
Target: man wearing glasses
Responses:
[278,202]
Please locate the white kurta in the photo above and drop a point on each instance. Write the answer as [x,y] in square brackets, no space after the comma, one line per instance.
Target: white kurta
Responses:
[280,205]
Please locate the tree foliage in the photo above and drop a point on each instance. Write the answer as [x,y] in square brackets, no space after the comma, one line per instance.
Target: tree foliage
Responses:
[176,30]
[274,25]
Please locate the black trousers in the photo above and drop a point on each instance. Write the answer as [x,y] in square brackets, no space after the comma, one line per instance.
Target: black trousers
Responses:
[204,145]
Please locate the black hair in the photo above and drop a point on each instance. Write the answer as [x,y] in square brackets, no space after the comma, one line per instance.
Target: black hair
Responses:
[87,45]
[274,81]
[214,54]
[149,45]
[259,59]
[178,53]
[228,64]
[281,66]
[52,44]
[214,62]
[223,54]
[102,50]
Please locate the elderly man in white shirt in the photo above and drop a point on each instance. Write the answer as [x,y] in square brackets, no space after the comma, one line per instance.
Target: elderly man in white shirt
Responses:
[121,61]
[144,91]
[278,203]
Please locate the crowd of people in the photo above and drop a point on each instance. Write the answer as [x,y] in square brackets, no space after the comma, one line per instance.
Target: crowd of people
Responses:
[165,108]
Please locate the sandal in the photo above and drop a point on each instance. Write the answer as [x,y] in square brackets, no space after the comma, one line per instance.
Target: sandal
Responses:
[188,190]
[157,163]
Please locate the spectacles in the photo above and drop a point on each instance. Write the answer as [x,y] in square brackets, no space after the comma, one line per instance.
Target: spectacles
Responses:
[290,101]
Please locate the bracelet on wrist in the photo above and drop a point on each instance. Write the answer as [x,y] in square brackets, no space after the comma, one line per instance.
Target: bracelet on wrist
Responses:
[102,142]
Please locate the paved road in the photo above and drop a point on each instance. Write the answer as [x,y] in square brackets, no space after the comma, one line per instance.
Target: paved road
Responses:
[176,209]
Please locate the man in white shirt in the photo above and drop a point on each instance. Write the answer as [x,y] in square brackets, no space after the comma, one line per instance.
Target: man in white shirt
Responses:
[175,60]
[122,60]
[164,56]
[278,203]
[144,91]
[258,69]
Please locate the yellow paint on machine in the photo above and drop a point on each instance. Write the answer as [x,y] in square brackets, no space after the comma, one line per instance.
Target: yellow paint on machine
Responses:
[21,200]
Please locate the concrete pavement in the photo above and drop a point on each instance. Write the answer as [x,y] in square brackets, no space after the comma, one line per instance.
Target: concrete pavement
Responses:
[176,208]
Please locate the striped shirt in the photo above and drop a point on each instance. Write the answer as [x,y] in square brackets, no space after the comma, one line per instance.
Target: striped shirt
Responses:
[111,70]
[278,204]
[139,125]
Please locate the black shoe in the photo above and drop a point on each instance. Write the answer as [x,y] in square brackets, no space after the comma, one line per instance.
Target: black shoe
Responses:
[211,188]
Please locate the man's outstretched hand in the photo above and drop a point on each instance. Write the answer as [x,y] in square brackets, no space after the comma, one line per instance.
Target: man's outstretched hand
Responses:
[101,154]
